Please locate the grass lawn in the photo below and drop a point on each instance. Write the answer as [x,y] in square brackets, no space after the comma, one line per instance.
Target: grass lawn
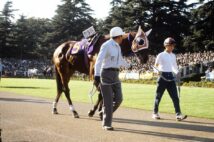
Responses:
[198,102]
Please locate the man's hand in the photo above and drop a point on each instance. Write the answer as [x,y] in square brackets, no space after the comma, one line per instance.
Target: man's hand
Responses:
[97,81]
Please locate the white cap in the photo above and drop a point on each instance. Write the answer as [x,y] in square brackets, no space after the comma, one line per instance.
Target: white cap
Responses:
[116,31]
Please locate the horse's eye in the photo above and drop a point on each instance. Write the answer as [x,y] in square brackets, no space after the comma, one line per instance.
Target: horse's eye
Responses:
[139,41]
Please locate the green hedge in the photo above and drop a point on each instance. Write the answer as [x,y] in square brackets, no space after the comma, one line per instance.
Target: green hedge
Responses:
[186,82]
[206,84]
[199,84]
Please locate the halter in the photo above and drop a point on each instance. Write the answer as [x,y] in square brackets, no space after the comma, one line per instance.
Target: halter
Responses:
[138,47]
[141,47]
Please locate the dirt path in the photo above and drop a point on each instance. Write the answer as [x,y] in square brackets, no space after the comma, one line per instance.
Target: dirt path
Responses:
[29,119]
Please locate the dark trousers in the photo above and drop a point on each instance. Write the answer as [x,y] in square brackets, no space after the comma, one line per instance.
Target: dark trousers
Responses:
[162,85]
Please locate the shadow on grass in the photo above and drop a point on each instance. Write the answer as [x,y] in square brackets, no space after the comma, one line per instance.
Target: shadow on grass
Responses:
[166,135]
[25,100]
[177,125]
[23,87]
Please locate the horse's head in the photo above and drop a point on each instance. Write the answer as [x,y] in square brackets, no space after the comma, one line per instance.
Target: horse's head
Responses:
[138,44]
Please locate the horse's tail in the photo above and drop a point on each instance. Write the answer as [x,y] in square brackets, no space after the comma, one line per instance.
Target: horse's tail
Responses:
[58,81]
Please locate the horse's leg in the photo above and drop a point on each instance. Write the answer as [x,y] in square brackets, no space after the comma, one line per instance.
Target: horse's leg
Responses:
[100,104]
[101,107]
[65,77]
[67,94]
[92,111]
[91,70]
[59,92]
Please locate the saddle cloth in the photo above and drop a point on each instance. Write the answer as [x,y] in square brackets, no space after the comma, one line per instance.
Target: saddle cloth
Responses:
[84,46]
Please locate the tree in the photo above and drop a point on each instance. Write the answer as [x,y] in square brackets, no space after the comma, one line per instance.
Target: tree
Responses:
[72,17]
[21,36]
[6,30]
[169,18]
[166,18]
[202,34]
[31,37]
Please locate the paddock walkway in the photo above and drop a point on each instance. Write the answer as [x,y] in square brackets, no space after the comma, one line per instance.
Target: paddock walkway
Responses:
[29,119]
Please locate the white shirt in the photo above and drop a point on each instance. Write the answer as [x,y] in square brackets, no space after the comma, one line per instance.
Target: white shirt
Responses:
[166,62]
[109,57]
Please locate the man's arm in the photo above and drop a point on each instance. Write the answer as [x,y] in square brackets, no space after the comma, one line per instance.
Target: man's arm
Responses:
[99,60]
[157,60]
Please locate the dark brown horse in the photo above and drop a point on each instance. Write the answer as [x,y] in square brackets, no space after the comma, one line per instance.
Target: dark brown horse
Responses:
[133,42]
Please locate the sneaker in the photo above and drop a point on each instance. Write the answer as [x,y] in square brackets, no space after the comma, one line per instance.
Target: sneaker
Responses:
[155,116]
[108,128]
[181,117]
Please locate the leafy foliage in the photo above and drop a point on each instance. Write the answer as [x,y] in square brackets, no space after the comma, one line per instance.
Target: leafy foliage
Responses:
[190,24]
[202,33]
[6,29]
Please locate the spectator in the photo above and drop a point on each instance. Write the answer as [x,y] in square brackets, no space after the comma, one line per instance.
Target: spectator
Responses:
[209,74]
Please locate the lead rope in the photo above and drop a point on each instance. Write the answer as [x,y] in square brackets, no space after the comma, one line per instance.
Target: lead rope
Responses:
[168,80]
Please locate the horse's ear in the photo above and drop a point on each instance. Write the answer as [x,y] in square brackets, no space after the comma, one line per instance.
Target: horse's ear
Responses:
[148,32]
[139,32]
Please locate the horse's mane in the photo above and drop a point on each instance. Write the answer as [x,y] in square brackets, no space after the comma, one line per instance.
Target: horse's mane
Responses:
[128,38]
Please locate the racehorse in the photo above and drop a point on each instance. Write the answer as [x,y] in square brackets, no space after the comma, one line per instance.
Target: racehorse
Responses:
[133,42]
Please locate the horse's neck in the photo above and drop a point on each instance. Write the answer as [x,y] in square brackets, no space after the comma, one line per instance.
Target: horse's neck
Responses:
[127,43]
[99,43]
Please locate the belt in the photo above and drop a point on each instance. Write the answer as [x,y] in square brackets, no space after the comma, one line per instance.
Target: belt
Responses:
[167,74]
[111,69]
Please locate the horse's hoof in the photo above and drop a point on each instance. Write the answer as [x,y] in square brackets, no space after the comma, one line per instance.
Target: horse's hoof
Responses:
[54,111]
[75,114]
[91,113]
[101,115]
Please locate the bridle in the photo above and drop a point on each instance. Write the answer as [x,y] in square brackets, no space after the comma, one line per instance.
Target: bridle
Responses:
[139,46]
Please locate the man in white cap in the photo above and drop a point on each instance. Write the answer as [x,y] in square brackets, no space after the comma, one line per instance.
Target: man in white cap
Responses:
[107,66]
[167,66]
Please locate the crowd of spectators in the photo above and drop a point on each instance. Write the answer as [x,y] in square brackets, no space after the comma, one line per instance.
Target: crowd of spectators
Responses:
[137,67]
[20,68]
[15,67]
[186,59]
[205,59]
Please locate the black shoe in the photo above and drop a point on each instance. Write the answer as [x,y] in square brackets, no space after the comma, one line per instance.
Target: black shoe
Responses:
[108,128]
